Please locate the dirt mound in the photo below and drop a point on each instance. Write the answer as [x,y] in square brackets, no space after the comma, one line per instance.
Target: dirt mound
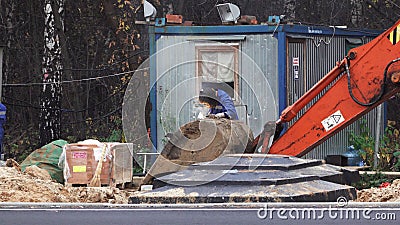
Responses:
[390,193]
[205,140]
[35,171]
[22,187]
[201,141]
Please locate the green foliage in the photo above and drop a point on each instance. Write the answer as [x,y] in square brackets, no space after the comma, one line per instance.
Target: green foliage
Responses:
[19,147]
[396,165]
[389,147]
[71,139]
[115,136]
[363,142]
[371,180]
[137,170]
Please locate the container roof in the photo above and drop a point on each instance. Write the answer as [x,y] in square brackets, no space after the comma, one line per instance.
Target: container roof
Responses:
[254,29]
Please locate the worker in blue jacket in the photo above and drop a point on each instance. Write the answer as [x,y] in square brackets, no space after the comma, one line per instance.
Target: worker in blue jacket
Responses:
[219,102]
[2,122]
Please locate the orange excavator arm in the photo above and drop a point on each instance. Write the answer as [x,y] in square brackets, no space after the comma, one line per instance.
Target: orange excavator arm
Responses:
[366,77]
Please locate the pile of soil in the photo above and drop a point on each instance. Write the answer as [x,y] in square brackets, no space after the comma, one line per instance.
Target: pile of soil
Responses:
[390,193]
[34,186]
[205,140]
[201,141]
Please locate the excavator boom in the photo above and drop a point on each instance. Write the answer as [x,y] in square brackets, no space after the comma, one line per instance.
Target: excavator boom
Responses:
[365,78]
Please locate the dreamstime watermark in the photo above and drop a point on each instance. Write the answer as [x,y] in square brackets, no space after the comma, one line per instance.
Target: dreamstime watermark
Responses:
[335,212]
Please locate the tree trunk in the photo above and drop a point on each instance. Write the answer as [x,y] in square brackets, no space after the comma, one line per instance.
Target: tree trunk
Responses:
[50,114]
[356,12]
[10,8]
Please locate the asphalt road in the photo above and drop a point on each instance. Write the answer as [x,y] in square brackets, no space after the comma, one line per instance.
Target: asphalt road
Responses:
[197,214]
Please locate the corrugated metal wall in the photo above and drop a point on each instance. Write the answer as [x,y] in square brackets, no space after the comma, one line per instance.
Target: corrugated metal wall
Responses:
[176,83]
[317,56]
[259,61]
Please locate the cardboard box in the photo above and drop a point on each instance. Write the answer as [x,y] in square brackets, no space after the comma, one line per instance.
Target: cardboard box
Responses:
[82,159]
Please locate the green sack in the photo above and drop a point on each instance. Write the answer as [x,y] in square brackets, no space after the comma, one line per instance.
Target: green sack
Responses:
[47,158]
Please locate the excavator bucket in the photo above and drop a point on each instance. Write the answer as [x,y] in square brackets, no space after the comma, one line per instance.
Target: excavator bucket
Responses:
[201,141]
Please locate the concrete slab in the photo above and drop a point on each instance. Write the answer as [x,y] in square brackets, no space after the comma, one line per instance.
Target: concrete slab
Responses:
[250,178]
[308,191]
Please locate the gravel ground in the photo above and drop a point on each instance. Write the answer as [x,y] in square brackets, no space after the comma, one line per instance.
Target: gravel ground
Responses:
[390,193]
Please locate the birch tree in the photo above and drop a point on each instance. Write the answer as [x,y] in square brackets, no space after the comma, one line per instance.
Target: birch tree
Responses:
[50,99]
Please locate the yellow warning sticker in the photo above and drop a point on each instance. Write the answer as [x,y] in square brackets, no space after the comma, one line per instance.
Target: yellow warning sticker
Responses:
[79,169]
[394,36]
